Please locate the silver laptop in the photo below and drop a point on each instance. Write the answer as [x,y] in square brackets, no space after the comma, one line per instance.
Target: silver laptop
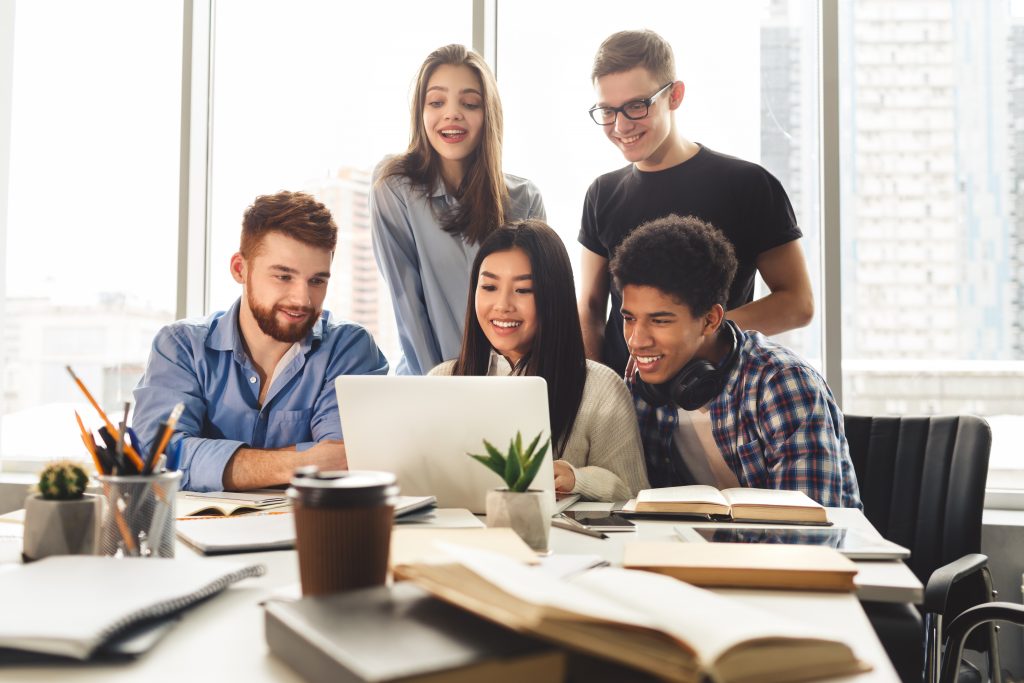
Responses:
[421,428]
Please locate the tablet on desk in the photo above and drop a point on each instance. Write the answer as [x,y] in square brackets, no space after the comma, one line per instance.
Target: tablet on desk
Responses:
[850,542]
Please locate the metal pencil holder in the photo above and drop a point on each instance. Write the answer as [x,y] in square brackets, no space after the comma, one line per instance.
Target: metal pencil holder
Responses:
[138,515]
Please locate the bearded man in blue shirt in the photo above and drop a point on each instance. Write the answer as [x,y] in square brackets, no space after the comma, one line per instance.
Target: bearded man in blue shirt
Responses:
[718,405]
[257,380]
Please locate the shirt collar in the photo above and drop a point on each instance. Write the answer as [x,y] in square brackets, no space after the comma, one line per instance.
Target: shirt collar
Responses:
[226,335]
[439,189]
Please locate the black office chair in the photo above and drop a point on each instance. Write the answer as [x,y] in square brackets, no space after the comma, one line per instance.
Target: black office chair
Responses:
[960,629]
[922,482]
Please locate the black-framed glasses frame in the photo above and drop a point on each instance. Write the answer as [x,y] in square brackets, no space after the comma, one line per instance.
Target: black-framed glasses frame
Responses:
[596,112]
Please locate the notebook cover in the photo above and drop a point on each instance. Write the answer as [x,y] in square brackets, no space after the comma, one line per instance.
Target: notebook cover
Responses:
[400,633]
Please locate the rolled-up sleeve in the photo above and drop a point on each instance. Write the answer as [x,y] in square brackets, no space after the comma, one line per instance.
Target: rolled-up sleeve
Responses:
[170,379]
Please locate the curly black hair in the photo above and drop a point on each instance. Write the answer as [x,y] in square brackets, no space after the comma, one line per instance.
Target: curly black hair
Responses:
[680,255]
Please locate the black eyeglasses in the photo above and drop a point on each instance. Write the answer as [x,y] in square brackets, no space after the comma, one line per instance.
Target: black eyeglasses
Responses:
[632,110]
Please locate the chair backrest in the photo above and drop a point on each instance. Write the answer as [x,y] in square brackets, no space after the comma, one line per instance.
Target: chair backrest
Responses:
[922,482]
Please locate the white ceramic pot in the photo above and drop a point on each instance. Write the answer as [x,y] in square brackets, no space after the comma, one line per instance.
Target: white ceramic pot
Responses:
[60,527]
[527,513]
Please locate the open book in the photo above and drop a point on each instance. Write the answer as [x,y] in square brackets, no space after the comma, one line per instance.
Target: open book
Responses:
[738,504]
[644,620]
[215,503]
[226,503]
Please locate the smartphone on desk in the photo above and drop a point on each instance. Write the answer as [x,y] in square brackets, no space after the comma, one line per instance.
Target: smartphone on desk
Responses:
[599,521]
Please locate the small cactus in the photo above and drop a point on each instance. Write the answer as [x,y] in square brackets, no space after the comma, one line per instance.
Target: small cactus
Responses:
[62,480]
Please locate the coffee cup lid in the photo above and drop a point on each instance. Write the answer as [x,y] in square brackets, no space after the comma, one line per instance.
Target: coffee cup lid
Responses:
[342,488]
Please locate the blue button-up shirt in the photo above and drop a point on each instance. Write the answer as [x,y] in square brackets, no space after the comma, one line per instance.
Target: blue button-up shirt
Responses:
[203,363]
[426,268]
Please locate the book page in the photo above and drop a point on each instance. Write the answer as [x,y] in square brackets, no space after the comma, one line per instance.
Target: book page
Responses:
[539,588]
[694,493]
[710,623]
[769,497]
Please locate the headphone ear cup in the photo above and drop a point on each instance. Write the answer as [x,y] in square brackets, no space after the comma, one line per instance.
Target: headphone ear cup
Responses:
[654,395]
[690,385]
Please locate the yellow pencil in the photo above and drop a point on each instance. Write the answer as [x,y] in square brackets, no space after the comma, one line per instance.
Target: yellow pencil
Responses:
[90,445]
[129,451]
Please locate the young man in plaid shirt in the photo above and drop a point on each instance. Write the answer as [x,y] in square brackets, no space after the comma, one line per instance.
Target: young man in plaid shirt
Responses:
[718,405]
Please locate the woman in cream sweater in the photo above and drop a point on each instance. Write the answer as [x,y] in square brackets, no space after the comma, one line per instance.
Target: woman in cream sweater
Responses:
[521,319]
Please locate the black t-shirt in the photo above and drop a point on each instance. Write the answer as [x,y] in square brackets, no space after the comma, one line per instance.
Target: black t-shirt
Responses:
[743,200]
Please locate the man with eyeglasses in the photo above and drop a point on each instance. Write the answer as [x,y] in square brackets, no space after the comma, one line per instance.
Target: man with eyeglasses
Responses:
[637,91]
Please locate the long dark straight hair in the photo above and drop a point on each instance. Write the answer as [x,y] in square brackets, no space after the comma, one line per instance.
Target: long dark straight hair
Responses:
[483,196]
[557,354]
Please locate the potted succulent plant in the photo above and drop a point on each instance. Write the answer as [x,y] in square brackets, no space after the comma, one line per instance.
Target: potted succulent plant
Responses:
[60,518]
[525,511]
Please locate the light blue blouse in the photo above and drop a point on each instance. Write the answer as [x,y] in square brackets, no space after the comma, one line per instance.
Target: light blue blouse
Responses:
[426,268]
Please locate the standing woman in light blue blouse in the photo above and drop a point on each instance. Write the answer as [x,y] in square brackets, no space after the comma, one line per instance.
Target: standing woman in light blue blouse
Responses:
[431,207]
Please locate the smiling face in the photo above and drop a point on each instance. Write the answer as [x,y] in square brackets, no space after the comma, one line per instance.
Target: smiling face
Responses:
[662,334]
[285,285]
[453,117]
[505,307]
[650,142]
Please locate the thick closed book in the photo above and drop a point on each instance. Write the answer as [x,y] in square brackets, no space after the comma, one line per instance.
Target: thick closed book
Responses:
[738,504]
[402,634]
[69,606]
[644,620]
[744,565]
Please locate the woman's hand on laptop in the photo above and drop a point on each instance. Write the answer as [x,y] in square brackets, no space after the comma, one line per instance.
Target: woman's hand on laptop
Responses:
[565,478]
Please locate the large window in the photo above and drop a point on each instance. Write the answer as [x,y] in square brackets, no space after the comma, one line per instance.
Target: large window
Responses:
[90,247]
[932,215]
[751,75]
[311,97]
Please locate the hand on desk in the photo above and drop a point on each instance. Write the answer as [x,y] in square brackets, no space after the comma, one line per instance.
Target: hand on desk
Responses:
[565,478]
[250,468]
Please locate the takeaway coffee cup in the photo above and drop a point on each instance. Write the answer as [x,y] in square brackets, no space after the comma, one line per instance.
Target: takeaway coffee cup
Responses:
[342,528]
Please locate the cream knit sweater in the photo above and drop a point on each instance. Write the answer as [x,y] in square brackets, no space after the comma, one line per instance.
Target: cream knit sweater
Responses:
[604,447]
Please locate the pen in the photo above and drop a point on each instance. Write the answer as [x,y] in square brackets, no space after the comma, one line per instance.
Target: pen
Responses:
[569,526]
[165,433]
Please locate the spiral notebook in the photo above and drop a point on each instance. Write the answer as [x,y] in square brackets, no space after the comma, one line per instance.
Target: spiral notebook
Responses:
[99,599]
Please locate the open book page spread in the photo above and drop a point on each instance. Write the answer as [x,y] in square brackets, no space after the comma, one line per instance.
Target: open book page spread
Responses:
[772,497]
[96,597]
[414,545]
[710,623]
[538,588]
[648,621]
[695,493]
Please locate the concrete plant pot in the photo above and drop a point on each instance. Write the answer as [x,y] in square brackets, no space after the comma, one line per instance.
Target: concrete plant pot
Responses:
[60,527]
[527,513]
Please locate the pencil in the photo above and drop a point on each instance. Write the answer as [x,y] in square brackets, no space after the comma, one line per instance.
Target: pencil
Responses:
[131,452]
[172,420]
[569,526]
[90,445]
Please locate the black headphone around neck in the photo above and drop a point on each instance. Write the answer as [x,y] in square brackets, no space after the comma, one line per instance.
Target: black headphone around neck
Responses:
[697,382]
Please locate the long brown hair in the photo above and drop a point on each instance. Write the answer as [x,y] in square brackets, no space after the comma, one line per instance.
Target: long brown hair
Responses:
[557,354]
[483,196]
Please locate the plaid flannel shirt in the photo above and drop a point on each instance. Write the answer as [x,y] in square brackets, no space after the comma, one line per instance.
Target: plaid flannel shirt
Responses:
[776,424]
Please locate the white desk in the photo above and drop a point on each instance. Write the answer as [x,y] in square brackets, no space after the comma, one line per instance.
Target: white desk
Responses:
[222,640]
[879,580]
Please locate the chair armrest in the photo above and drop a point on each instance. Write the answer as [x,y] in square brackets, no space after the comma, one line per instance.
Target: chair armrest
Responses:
[942,580]
[960,627]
